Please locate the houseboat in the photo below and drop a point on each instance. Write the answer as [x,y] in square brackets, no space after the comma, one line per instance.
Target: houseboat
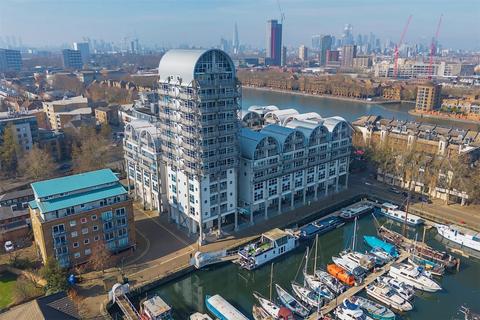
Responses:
[391,211]
[271,245]
[351,213]
[320,227]
[461,236]
[221,309]
[156,309]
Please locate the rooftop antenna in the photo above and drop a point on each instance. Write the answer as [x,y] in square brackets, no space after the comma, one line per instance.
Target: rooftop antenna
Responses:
[282,15]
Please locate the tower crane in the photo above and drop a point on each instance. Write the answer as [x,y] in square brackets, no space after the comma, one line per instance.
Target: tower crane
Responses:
[433,48]
[397,47]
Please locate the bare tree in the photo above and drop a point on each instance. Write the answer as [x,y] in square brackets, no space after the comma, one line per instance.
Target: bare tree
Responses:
[101,257]
[37,164]
[92,154]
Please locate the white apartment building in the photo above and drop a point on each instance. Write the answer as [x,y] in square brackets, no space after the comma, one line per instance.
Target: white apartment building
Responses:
[302,158]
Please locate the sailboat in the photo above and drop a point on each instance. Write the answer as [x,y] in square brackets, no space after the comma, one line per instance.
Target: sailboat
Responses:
[331,282]
[291,303]
[311,280]
[310,297]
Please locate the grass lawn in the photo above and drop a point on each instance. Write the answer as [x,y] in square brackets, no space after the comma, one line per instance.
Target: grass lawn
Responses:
[7,281]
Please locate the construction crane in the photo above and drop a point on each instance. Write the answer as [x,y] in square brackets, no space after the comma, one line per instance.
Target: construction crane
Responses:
[433,47]
[397,47]
[282,15]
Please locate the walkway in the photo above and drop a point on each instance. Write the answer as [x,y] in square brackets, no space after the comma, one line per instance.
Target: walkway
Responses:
[356,289]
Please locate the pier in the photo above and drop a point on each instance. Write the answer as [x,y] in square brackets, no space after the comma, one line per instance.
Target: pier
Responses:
[356,289]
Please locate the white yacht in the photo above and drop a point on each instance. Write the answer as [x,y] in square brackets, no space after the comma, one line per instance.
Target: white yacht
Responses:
[332,283]
[350,266]
[363,260]
[271,245]
[271,308]
[315,284]
[308,296]
[460,235]
[413,276]
[391,211]
[200,316]
[356,211]
[388,296]
[350,311]
[406,291]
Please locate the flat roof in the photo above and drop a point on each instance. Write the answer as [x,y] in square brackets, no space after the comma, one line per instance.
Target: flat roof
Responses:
[77,199]
[275,234]
[16,194]
[72,183]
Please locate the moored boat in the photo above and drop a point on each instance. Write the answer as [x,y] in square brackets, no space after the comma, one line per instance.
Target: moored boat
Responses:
[156,309]
[308,296]
[341,274]
[375,242]
[291,303]
[373,309]
[364,261]
[391,211]
[315,284]
[429,266]
[462,236]
[406,291]
[351,213]
[271,245]
[348,310]
[199,316]
[413,276]
[350,266]
[320,227]
[271,308]
[259,314]
[388,296]
[381,256]
[221,309]
[330,281]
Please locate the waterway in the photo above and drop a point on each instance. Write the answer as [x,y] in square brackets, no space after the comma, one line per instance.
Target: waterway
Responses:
[186,295]
[327,107]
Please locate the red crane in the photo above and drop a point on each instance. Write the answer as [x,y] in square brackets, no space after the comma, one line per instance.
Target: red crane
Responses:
[433,48]
[397,47]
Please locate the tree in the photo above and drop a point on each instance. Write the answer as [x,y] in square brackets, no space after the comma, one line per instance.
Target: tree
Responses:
[25,289]
[93,154]
[55,276]
[37,164]
[9,151]
[101,257]
[106,131]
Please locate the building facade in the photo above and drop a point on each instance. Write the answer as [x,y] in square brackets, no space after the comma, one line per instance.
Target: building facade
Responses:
[60,112]
[303,53]
[324,46]
[349,52]
[70,215]
[10,60]
[72,59]
[274,43]
[24,128]
[84,49]
[428,97]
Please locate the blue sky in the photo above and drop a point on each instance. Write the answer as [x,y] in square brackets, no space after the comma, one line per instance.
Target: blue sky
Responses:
[203,22]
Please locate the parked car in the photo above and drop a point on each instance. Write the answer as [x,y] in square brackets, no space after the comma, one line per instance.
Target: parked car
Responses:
[9,246]
[394,190]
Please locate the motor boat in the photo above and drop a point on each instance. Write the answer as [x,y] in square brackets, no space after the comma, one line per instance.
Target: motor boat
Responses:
[413,276]
[348,310]
[388,296]
[373,309]
[330,281]
[406,291]
[350,266]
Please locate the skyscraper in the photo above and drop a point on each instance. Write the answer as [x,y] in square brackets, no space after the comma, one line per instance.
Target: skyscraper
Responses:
[84,49]
[72,59]
[347,37]
[303,53]
[10,60]
[316,42]
[236,42]
[348,53]
[325,44]
[274,43]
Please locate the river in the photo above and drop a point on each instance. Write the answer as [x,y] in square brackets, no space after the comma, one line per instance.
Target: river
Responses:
[327,107]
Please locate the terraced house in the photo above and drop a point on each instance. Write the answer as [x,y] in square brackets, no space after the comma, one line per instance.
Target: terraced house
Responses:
[70,215]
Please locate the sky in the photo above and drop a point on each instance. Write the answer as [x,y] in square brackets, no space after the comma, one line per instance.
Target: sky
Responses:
[169,23]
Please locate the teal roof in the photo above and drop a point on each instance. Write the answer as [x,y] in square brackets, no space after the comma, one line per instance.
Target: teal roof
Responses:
[77,199]
[74,182]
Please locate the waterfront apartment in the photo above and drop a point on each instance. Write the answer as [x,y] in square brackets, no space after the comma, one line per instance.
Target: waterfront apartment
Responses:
[436,141]
[428,97]
[187,154]
[70,215]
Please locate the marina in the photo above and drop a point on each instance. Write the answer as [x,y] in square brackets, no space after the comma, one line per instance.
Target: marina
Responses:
[237,285]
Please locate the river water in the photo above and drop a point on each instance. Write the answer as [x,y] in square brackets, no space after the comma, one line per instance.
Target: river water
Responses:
[330,107]
[186,295]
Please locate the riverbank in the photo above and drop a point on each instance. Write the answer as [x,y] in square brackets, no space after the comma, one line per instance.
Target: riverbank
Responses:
[414,113]
[332,97]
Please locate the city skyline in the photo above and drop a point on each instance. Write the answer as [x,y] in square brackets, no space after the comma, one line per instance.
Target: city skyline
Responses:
[146,19]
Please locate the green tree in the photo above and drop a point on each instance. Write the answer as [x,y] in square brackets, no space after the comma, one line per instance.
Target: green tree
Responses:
[55,276]
[9,152]
[37,164]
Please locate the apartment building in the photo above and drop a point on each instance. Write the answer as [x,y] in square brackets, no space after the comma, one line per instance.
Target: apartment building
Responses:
[428,97]
[70,215]
[72,59]
[435,141]
[60,112]
[24,128]
[10,60]
[300,159]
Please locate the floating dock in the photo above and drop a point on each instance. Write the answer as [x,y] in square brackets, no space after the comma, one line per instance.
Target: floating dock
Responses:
[356,289]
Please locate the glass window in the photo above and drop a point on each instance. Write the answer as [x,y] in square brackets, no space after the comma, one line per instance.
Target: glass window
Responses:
[88,252]
[83,220]
[73,223]
[86,241]
[75,244]
[76,255]
[74,234]
[94,217]
[84,230]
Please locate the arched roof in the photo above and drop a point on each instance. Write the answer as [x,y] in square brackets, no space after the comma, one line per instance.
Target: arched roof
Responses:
[332,122]
[244,114]
[249,141]
[181,63]
[262,109]
[281,115]
[280,133]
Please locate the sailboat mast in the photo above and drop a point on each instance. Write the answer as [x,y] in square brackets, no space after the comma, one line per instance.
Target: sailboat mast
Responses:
[271,280]
[354,234]
[404,229]
[316,249]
